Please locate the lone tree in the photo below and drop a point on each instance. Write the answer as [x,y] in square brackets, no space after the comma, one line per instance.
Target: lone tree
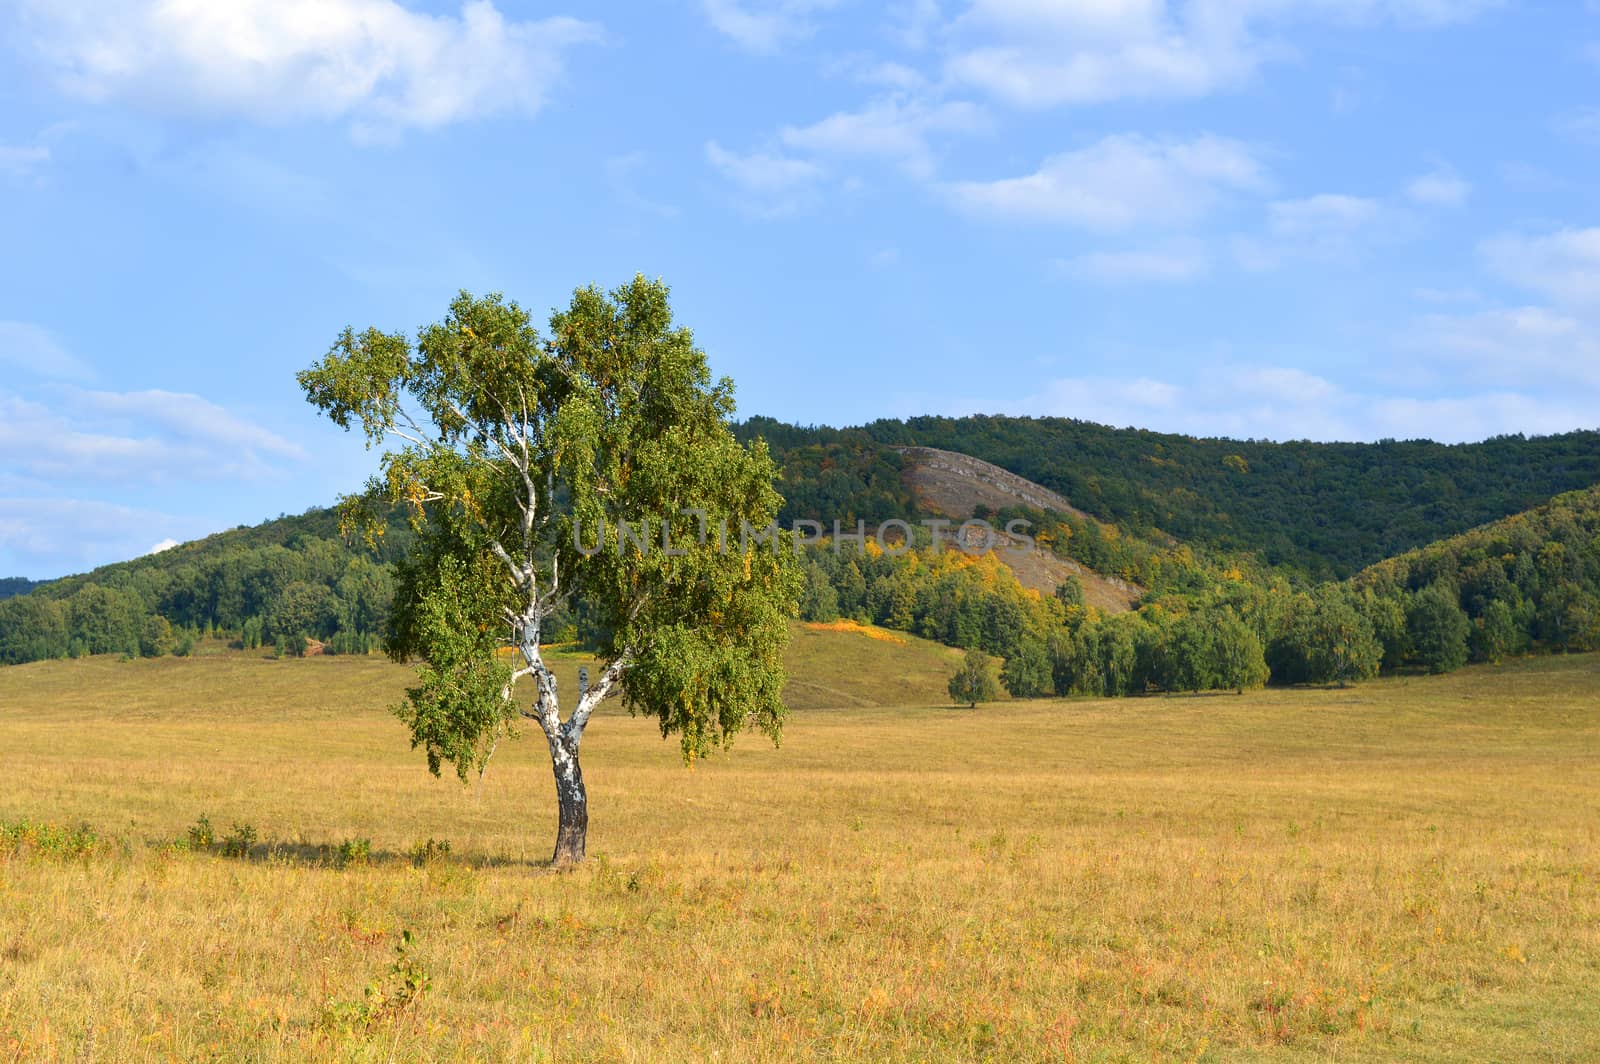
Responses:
[597,462]
[974,681]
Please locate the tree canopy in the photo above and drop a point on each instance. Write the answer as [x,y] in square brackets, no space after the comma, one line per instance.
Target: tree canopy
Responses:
[596,461]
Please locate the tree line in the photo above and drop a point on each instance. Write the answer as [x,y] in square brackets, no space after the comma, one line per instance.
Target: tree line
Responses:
[279,584]
[1527,584]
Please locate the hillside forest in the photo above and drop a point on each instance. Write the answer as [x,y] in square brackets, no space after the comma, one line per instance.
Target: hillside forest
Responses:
[1255,562]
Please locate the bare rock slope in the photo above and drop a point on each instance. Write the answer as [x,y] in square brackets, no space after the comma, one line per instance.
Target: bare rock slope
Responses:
[953,485]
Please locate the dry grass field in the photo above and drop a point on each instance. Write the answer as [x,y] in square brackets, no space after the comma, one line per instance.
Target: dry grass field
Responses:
[1406,870]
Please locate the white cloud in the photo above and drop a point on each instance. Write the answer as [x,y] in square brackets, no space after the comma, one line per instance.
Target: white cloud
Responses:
[1328,227]
[166,544]
[762,27]
[1040,53]
[915,22]
[191,417]
[1563,265]
[1120,182]
[378,64]
[1317,216]
[1266,402]
[771,184]
[1511,346]
[760,172]
[52,536]
[135,437]
[1441,188]
[1157,266]
[894,128]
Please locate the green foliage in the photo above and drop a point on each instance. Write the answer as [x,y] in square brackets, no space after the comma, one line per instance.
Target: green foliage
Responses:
[294,576]
[155,639]
[1325,509]
[353,852]
[459,710]
[974,681]
[389,997]
[50,840]
[1324,640]
[1438,627]
[237,843]
[33,628]
[11,586]
[1531,581]
[201,835]
[1026,673]
[518,455]
[430,851]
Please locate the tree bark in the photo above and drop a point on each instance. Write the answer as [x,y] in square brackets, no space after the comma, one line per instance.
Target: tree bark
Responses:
[572,830]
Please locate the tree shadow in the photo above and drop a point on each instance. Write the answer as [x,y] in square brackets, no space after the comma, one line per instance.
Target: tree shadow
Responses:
[355,853]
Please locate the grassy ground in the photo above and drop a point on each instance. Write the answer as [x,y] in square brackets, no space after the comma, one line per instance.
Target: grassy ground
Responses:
[1406,870]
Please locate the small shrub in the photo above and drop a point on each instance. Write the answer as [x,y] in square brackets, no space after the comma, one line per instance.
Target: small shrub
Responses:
[201,836]
[239,841]
[396,992]
[424,853]
[48,840]
[353,851]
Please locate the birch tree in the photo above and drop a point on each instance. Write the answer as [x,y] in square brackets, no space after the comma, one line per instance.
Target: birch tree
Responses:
[596,461]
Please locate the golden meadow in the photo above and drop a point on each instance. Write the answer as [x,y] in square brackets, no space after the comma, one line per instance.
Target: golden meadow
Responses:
[1404,870]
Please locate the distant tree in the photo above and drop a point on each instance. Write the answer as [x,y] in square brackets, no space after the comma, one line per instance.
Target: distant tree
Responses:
[818,599]
[1237,657]
[1386,613]
[974,681]
[107,620]
[32,628]
[516,458]
[1326,641]
[156,639]
[1495,635]
[1026,673]
[1438,628]
[1070,591]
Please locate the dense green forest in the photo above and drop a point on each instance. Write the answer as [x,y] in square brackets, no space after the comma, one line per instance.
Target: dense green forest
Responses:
[280,583]
[16,585]
[1327,509]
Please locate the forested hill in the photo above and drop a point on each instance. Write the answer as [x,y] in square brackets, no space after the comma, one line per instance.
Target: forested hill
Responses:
[16,585]
[294,578]
[1327,509]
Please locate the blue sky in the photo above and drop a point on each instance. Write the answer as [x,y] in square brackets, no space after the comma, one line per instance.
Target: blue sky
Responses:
[1326,219]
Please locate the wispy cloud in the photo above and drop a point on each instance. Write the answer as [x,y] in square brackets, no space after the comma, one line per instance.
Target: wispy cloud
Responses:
[762,26]
[1120,182]
[1329,227]
[381,66]
[769,184]
[1281,402]
[895,128]
[136,437]
[1562,265]
[1037,54]
[51,537]
[1141,266]
[34,350]
[1440,188]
